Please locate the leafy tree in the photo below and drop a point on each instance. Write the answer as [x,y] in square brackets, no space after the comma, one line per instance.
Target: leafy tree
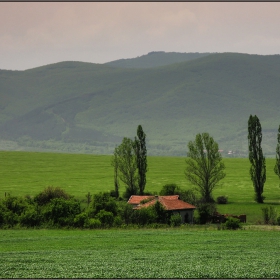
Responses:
[126,160]
[205,167]
[141,158]
[170,189]
[277,164]
[258,168]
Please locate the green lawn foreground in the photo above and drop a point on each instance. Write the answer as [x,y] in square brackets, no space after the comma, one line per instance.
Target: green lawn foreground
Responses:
[23,173]
[141,253]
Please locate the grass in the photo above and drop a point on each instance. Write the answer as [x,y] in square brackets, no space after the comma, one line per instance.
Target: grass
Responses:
[142,253]
[29,173]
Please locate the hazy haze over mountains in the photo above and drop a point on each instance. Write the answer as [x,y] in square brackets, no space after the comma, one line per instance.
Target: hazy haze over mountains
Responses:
[89,108]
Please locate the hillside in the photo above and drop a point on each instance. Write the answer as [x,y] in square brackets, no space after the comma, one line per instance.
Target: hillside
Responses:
[155,59]
[89,108]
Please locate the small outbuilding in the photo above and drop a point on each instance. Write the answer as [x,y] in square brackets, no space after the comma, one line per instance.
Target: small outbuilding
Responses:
[169,202]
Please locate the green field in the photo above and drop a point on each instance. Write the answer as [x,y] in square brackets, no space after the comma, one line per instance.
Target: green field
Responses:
[141,253]
[29,173]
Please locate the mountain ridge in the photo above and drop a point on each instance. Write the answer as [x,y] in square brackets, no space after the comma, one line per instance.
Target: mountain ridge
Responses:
[95,105]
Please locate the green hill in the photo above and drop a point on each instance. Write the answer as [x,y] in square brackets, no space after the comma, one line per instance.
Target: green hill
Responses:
[85,107]
[155,59]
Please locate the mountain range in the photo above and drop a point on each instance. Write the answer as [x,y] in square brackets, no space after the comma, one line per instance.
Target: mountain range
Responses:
[88,108]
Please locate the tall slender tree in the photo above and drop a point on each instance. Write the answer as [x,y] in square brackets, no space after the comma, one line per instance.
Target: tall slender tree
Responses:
[277,164]
[205,167]
[256,157]
[115,164]
[141,157]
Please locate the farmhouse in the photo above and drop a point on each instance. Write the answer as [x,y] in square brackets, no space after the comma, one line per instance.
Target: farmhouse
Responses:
[170,203]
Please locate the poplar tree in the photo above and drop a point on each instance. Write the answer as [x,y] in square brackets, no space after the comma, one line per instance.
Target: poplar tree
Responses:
[141,158]
[277,164]
[257,160]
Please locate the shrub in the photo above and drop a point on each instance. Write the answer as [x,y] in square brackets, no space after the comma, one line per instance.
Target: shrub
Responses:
[175,220]
[81,219]
[269,215]
[104,201]
[30,218]
[50,193]
[222,199]
[205,211]
[170,189]
[189,196]
[118,221]
[126,212]
[278,221]
[144,216]
[93,223]
[232,223]
[61,211]
[106,218]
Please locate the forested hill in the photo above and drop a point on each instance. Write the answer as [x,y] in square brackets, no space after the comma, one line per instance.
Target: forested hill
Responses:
[86,107]
[155,59]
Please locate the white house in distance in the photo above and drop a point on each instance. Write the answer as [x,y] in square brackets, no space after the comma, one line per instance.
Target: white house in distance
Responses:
[169,202]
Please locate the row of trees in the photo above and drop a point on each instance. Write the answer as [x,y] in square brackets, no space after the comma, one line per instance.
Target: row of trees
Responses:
[130,164]
[205,167]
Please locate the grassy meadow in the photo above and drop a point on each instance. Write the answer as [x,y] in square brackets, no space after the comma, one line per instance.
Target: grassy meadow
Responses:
[28,173]
[142,253]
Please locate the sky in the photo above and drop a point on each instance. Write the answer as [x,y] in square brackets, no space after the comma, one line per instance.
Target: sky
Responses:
[34,34]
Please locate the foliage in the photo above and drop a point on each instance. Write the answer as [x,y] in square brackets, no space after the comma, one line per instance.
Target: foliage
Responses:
[277,163]
[50,193]
[31,217]
[205,167]
[269,214]
[61,212]
[232,223]
[104,201]
[106,218]
[126,161]
[175,220]
[222,199]
[170,189]
[205,211]
[257,160]
[141,158]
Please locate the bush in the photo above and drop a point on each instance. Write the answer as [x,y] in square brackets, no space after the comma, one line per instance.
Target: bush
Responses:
[189,196]
[106,218]
[222,199]
[62,212]
[175,220]
[232,223]
[93,223]
[269,215]
[50,193]
[81,219]
[205,211]
[30,218]
[144,216]
[278,221]
[104,201]
[170,189]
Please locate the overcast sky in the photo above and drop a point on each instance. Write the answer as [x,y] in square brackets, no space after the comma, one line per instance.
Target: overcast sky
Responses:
[35,34]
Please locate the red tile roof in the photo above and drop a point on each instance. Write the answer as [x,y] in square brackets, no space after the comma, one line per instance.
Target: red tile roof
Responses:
[170,202]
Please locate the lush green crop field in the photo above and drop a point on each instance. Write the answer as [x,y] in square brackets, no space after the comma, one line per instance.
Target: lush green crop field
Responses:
[24,173]
[172,253]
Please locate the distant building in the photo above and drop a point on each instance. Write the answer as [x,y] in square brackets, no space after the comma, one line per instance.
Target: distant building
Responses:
[170,203]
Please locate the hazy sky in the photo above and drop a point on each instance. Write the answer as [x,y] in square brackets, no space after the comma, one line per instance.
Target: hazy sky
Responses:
[35,34]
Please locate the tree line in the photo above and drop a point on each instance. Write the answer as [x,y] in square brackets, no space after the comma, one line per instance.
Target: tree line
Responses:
[53,207]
